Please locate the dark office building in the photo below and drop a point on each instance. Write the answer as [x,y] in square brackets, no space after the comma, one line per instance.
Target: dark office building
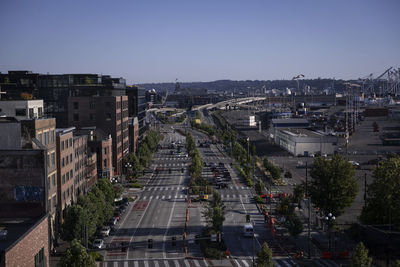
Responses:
[55,90]
[15,83]
[137,106]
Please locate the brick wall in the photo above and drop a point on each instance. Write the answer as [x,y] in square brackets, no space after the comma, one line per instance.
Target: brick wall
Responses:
[23,253]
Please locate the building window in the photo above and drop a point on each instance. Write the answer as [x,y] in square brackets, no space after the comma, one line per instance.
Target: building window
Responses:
[67,176]
[66,143]
[64,195]
[39,258]
[52,137]
[67,192]
[39,137]
[53,158]
[40,112]
[31,114]
[105,163]
[62,145]
[92,105]
[53,179]
[46,138]
[105,151]
[108,116]
[92,116]
[70,157]
[54,201]
[70,174]
[20,112]
[70,142]
[66,160]
[62,162]
[63,179]
[76,105]
[76,117]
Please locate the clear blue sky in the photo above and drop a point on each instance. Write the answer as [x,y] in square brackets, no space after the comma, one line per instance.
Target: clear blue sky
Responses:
[201,40]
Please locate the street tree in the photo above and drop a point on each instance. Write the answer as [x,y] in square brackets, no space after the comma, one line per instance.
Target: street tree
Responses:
[144,154]
[135,168]
[264,256]
[383,201]
[298,193]
[333,186]
[76,256]
[285,207]
[360,256]
[105,186]
[74,223]
[294,225]
[259,187]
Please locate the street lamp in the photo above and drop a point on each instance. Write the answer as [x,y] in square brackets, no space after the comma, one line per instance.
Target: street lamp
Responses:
[330,220]
[128,166]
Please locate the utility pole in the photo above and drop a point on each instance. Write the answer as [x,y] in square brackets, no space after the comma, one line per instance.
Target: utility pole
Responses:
[309,214]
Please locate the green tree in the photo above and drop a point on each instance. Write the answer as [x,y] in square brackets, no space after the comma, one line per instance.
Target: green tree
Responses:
[298,193]
[144,154]
[76,256]
[285,207]
[294,225]
[275,172]
[74,223]
[136,167]
[264,257]
[259,187]
[105,186]
[333,187]
[383,201]
[360,256]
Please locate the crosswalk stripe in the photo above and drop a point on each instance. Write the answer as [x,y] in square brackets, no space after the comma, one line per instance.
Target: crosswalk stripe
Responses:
[234,196]
[115,264]
[169,197]
[176,196]
[286,263]
[176,263]
[144,197]
[245,263]
[277,263]
[156,264]
[186,263]
[151,197]
[237,263]
[196,262]
[157,197]
[163,197]
[205,262]
[126,264]
[227,196]
[181,196]
[136,264]
[166,263]
[146,264]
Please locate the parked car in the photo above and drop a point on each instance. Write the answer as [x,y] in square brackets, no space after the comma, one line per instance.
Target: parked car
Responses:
[113,221]
[105,231]
[98,243]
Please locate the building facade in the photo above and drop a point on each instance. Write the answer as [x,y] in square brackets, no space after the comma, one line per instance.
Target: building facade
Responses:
[22,109]
[110,115]
[304,142]
[65,170]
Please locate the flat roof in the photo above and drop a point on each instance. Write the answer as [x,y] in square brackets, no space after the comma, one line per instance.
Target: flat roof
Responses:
[302,133]
[17,228]
[299,120]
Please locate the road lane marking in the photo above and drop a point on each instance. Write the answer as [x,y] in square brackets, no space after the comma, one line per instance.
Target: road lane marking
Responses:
[186,263]
[205,262]
[146,263]
[176,263]
[169,197]
[245,263]
[136,264]
[156,264]
[137,225]
[144,197]
[286,263]
[157,197]
[196,262]
[166,263]
[163,197]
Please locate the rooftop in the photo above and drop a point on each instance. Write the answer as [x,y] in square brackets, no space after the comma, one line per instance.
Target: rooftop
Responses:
[12,230]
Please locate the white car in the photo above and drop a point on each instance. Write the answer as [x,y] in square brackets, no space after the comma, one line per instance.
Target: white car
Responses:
[105,231]
[98,243]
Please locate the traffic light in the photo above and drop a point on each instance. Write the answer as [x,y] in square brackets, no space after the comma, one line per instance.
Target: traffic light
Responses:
[247,218]
[173,241]
[150,243]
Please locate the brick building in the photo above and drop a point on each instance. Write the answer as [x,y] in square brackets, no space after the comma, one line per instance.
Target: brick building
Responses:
[44,130]
[26,242]
[65,170]
[110,115]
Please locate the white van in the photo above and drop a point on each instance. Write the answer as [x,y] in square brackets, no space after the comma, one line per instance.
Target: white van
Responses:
[248,230]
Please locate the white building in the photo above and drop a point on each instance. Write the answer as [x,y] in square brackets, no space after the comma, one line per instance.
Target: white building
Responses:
[305,142]
[250,121]
[22,109]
